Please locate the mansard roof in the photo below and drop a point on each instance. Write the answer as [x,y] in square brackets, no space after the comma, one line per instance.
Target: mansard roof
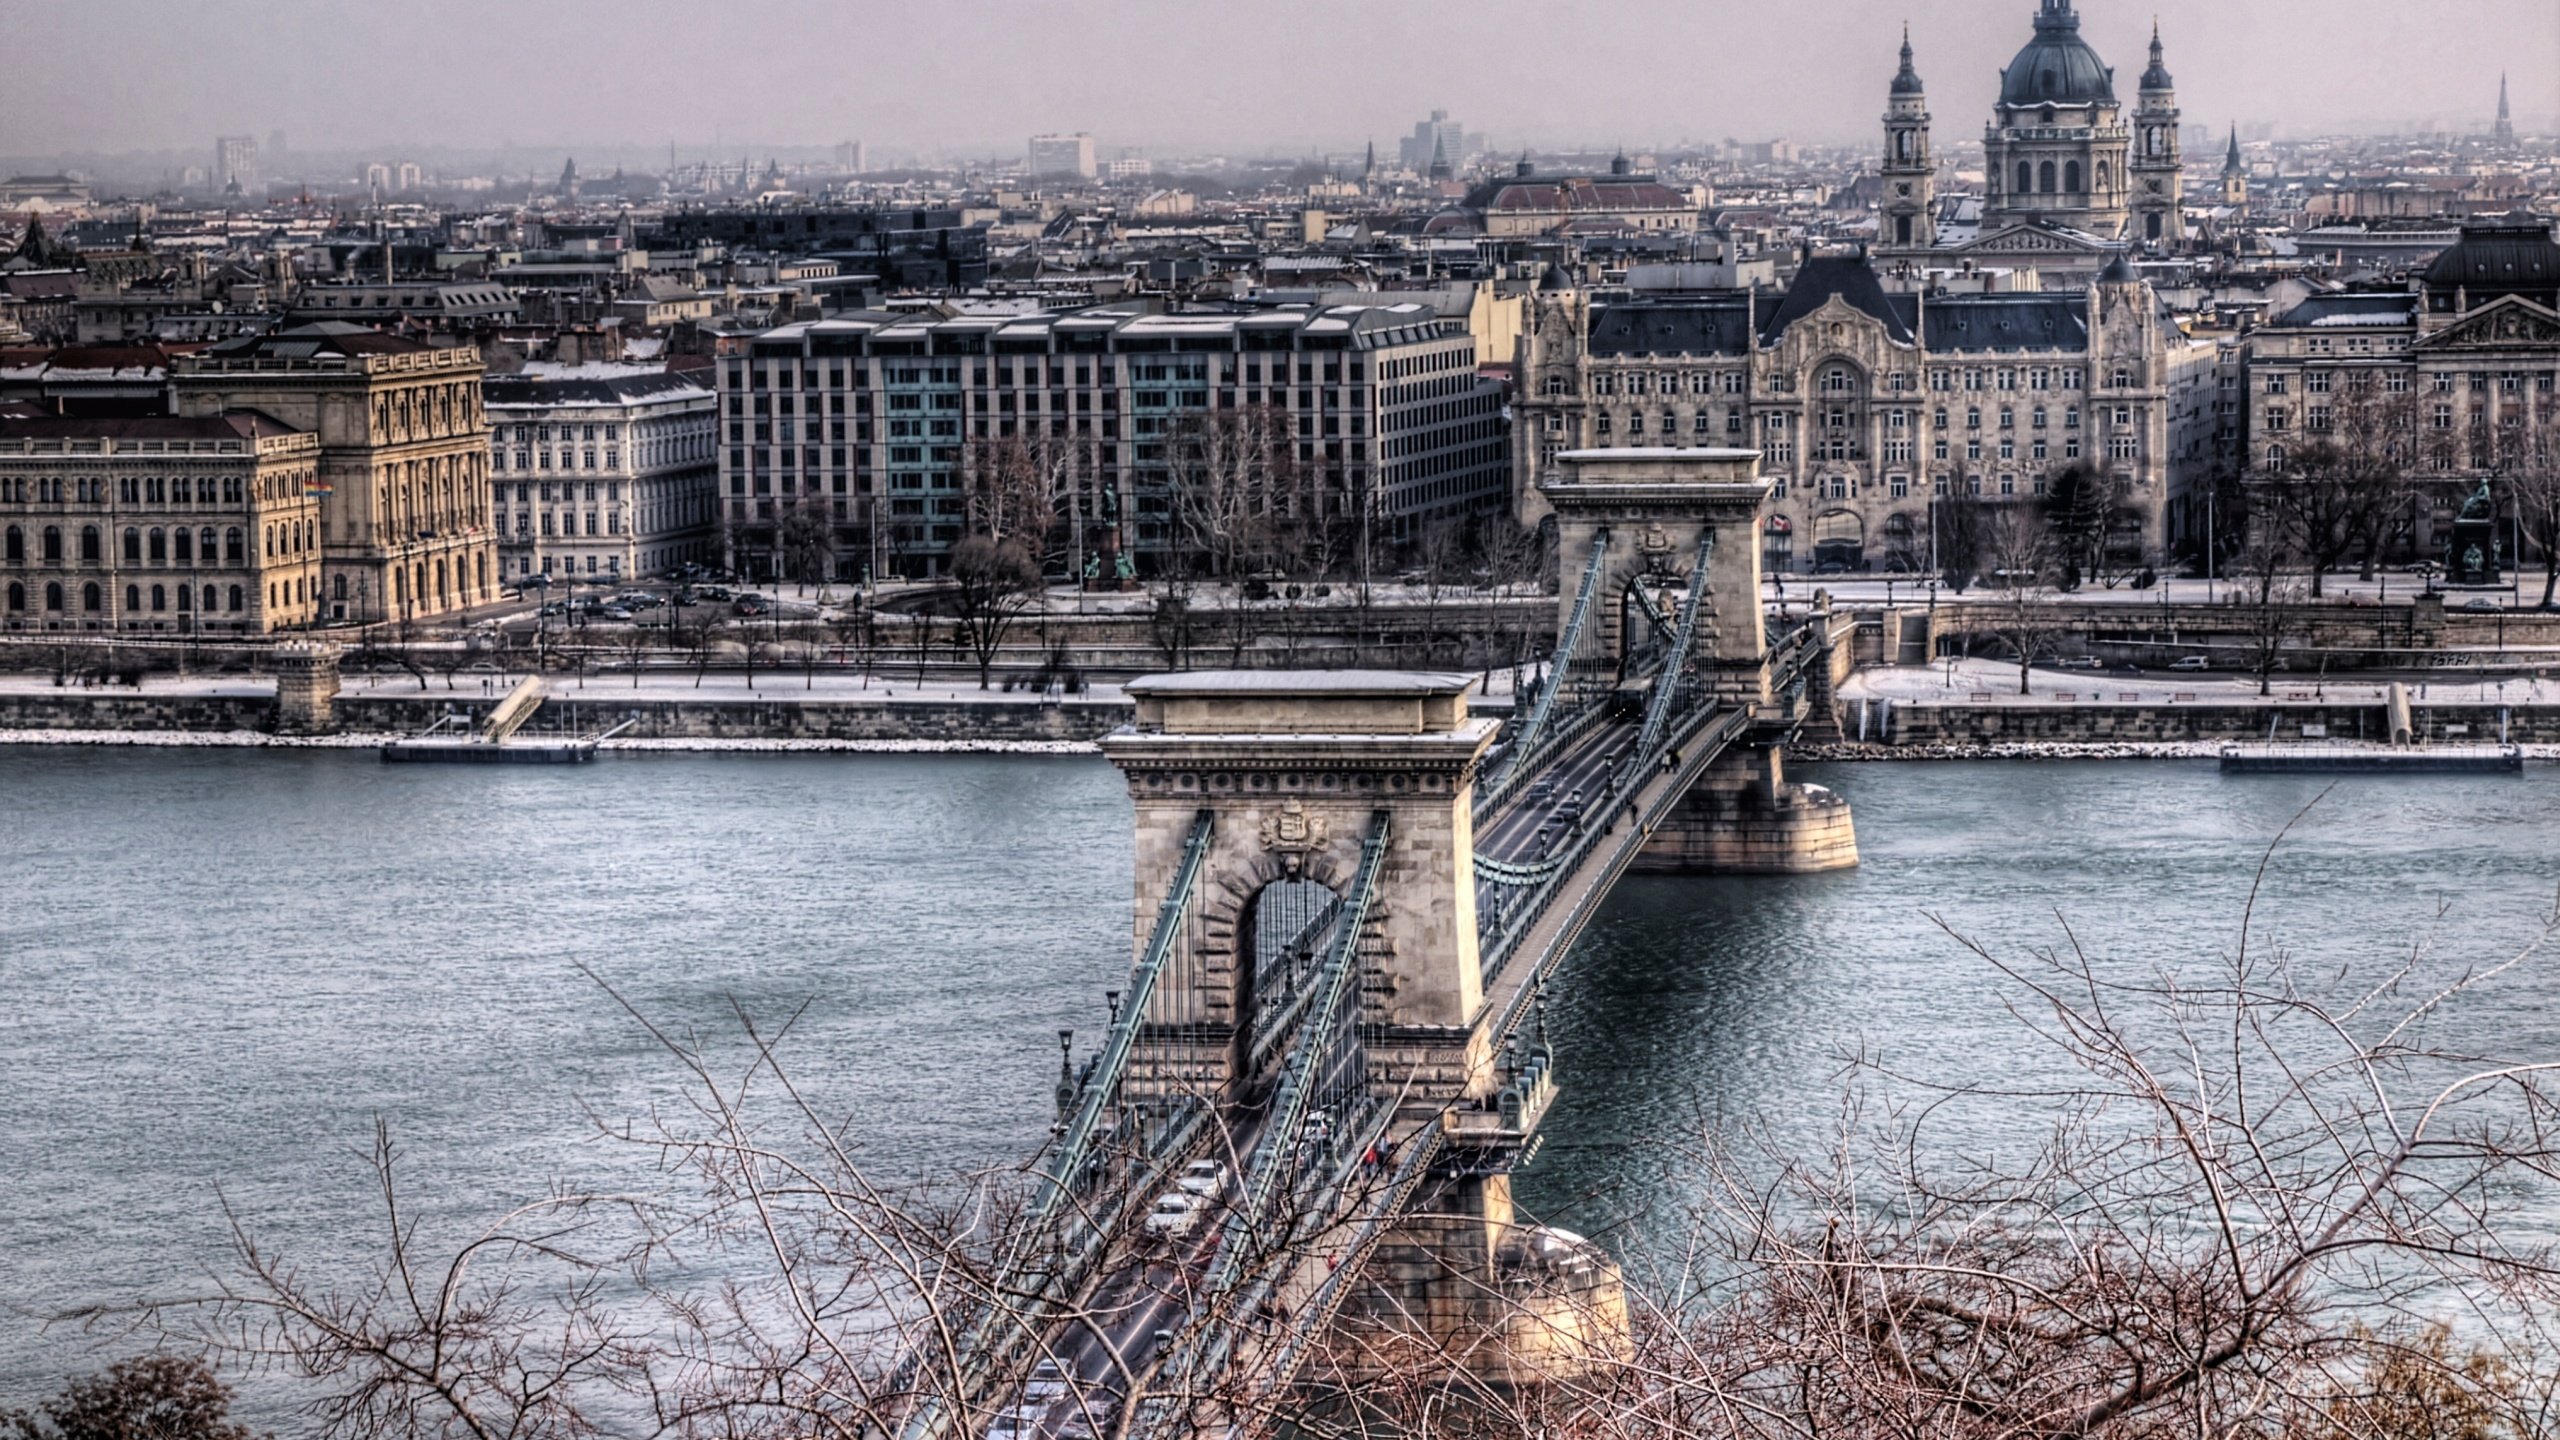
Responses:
[1824,276]
[2037,320]
[2364,307]
[1717,323]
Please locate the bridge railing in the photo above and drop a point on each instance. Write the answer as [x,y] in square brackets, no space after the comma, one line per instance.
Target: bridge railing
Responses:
[1519,912]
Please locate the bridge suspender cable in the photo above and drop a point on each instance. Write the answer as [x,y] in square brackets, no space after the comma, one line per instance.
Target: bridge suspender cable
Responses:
[1076,1145]
[1666,685]
[1560,663]
[1074,1152]
[1273,1157]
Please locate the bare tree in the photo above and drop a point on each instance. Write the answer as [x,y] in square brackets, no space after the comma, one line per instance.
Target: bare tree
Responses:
[2018,553]
[993,584]
[2532,472]
[805,533]
[1234,484]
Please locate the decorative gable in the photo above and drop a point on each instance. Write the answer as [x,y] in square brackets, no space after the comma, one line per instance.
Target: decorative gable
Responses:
[2509,323]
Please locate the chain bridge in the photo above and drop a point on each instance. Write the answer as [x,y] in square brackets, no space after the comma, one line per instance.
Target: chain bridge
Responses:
[1351,892]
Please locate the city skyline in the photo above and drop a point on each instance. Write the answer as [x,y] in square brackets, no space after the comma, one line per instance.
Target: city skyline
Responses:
[1165,80]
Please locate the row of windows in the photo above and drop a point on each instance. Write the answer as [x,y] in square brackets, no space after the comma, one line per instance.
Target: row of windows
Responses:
[1836,380]
[2445,382]
[1304,370]
[210,598]
[157,546]
[567,522]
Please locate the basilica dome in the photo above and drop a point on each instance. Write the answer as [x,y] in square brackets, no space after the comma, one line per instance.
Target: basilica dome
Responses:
[2057,67]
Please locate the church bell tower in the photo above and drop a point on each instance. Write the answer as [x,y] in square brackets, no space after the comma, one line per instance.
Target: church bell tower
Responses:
[2158,219]
[1908,208]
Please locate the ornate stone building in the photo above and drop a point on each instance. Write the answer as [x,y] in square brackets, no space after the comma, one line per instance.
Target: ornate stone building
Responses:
[404,459]
[2460,371]
[197,525]
[1869,407]
[604,471]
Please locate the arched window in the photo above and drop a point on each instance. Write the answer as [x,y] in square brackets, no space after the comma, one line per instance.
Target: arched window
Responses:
[13,548]
[186,600]
[159,548]
[17,596]
[132,598]
[2044,177]
[2071,177]
[209,599]
[2026,178]
[159,597]
[205,546]
[231,542]
[93,597]
[132,546]
[235,599]
[53,595]
[2151,225]
[183,547]
[53,544]
[89,543]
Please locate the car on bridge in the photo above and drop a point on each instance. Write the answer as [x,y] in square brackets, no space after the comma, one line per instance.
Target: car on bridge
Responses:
[1176,1212]
[1202,1177]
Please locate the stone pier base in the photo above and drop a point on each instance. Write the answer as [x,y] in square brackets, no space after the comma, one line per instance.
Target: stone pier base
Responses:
[1460,1289]
[1743,818]
[306,687]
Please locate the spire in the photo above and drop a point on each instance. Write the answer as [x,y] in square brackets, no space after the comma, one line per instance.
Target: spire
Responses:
[2231,158]
[1906,81]
[1439,158]
[2506,131]
[1524,169]
[2157,77]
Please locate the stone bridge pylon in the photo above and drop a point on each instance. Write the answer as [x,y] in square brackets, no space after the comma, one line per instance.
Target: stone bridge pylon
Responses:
[1642,516]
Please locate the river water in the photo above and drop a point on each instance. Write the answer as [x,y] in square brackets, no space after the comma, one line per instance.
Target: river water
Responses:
[219,967]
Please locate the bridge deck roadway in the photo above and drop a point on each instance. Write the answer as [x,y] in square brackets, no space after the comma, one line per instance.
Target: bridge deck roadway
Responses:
[1525,829]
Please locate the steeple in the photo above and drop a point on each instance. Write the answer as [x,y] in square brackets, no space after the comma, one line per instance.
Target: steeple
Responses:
[2154,202]
[1524,169]
[1906,81]
[2235,175]
[1439,159]
[2506,131]
[1906,218]
[2157,77]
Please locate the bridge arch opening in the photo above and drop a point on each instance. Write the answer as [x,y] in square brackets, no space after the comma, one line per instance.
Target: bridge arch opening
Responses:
[1282,935]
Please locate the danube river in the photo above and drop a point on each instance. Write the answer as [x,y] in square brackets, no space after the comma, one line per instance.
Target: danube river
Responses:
[218,968]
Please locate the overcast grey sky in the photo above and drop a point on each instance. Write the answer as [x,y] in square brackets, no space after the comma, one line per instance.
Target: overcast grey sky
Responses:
[1244,75]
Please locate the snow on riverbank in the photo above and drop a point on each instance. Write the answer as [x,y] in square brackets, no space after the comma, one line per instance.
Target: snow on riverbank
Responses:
[255,739]
[1852,753]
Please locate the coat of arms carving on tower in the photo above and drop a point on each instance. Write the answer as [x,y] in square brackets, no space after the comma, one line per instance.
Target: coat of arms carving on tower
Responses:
[1292,832]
